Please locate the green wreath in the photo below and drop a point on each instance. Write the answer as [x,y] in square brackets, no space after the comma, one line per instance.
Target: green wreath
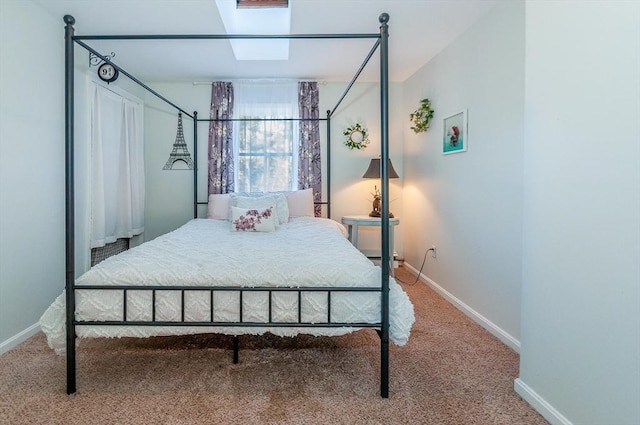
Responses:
[421,117]
[357,137]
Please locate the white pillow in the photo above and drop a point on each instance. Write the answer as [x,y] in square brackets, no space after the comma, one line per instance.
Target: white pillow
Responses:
[218,206]
[301,203]
[253,220]
[258,200]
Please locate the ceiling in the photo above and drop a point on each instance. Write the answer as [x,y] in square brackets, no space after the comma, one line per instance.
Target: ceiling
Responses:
[418,30]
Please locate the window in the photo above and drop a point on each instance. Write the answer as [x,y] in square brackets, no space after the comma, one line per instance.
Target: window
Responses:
[266,149]
[265,156]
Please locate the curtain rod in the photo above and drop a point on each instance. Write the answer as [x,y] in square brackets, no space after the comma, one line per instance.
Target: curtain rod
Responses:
[208,83]
[259,119]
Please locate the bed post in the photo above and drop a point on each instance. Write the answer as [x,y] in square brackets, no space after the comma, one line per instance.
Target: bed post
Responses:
[328,163]
[69,203]
[195,165]
[384,151]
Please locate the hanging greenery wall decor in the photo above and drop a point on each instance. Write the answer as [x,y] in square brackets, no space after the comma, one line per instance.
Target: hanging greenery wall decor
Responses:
[421,117]
[357,137]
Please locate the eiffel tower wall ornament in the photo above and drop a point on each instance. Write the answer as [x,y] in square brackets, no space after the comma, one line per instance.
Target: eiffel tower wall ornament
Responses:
[180,151]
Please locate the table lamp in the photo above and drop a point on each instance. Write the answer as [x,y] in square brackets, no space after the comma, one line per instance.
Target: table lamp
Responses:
[373,172]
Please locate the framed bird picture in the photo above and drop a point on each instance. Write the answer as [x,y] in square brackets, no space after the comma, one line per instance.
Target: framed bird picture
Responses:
[454,137]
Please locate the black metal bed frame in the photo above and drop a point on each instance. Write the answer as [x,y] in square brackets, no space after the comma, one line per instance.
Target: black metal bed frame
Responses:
[382,327]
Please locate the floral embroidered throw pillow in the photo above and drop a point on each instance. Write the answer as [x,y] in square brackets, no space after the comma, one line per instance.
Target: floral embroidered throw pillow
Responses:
[261,200]
[253,219]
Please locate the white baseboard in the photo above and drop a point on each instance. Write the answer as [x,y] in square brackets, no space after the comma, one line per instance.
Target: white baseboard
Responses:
[545,409]
[491,327]
[19,338]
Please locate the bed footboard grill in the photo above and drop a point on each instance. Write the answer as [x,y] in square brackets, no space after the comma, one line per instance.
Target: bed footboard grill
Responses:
[240,323]
[212,290]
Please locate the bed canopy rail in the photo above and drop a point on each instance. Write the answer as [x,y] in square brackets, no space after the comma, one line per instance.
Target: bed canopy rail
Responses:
[131,77]
[224,36]
[355,77]
[194,116]
[381,43]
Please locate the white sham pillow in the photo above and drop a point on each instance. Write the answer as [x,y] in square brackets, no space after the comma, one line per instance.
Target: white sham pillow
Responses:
[253,219]
[218,206]
[300,203]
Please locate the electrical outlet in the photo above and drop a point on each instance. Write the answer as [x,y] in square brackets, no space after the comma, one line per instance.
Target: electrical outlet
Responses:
[433,251]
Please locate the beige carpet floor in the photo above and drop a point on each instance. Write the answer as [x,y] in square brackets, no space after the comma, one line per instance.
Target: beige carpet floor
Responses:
[451,372]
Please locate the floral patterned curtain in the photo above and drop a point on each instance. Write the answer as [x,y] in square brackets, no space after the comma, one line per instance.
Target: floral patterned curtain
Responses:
[309,161]
[221,139]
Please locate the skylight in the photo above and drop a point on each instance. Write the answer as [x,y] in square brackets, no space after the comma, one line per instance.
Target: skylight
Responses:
[260,20]
[262,3]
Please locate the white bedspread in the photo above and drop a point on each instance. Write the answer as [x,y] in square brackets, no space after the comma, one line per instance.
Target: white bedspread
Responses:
[304,252]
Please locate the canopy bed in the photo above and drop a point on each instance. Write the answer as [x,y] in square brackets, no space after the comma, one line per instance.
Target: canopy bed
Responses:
[214,296]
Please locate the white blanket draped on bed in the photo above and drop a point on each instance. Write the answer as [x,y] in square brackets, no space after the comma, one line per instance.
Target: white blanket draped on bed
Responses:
[304,252]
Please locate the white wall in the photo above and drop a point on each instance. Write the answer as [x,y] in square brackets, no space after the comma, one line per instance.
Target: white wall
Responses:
[32,266]
[170,193]
[469,205]
[581,261]
[351,194]
[32,193]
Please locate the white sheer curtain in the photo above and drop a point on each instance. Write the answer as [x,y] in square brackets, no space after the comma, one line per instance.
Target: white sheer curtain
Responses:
[117,171]
[265,152]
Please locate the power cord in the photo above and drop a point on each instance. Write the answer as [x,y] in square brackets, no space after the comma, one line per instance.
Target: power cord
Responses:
[424,260]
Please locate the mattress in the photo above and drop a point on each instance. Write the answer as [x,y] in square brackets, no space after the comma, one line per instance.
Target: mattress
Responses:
[305,252]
